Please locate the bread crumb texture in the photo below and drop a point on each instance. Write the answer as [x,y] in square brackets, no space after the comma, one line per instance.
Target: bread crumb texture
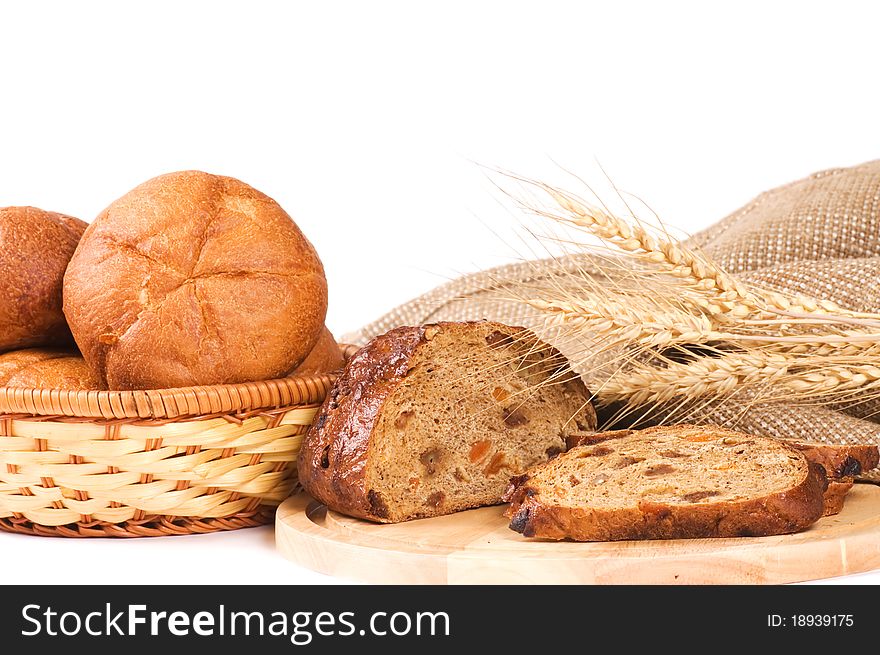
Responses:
[667,483]
[428,421]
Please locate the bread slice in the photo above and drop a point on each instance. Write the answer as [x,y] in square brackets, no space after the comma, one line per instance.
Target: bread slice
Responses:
[840,461]
[676,482]
[835,495]
[430,420]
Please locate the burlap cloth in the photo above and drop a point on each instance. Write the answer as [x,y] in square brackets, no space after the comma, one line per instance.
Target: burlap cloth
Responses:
[819,236]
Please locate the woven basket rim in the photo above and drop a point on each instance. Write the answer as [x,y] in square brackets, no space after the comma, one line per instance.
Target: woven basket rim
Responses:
[175,403]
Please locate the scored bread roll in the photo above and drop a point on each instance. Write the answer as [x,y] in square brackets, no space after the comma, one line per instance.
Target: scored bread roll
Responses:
[326,356]
[194,279]
[40,368]
[35,247]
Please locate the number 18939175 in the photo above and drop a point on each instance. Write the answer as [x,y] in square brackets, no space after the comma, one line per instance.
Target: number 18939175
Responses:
[810,621]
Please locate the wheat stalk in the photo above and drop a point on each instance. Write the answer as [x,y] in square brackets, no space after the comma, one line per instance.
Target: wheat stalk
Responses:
[731,335]
[664,328]
[627,325]
[719,376]
[724,295]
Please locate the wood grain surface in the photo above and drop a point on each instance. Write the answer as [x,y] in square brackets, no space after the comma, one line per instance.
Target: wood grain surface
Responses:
[477,547]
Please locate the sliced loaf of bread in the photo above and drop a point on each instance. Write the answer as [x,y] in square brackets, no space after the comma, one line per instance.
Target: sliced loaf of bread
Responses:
[674,482]
[431,420]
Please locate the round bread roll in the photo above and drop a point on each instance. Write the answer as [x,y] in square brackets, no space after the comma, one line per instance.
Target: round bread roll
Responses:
[194,279]
[35,246]
[38,368]
[325,357]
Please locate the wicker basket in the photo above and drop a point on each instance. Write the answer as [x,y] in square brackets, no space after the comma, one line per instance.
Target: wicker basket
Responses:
[151,463]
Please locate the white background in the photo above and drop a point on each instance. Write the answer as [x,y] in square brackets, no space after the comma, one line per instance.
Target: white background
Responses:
[370,123]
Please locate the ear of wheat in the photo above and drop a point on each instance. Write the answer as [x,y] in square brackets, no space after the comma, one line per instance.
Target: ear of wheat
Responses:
[681,329]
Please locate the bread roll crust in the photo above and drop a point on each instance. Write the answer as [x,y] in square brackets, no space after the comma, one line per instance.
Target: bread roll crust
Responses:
[194,279]
[41,368]
[325,357]
[835,495]
[35,247]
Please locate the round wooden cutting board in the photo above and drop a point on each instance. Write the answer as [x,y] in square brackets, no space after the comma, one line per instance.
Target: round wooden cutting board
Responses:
[477,547]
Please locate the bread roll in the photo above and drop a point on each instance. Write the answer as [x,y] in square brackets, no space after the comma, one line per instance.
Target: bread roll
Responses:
[325,357]
[35,246]
[193,279]
[38,368]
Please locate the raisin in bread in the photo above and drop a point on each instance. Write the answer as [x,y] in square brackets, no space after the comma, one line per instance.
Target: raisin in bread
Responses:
[430,420]
[675,482]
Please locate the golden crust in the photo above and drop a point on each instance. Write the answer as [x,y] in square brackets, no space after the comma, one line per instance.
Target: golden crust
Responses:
[194,279]
[325,357]
[38,368]
[35,247]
